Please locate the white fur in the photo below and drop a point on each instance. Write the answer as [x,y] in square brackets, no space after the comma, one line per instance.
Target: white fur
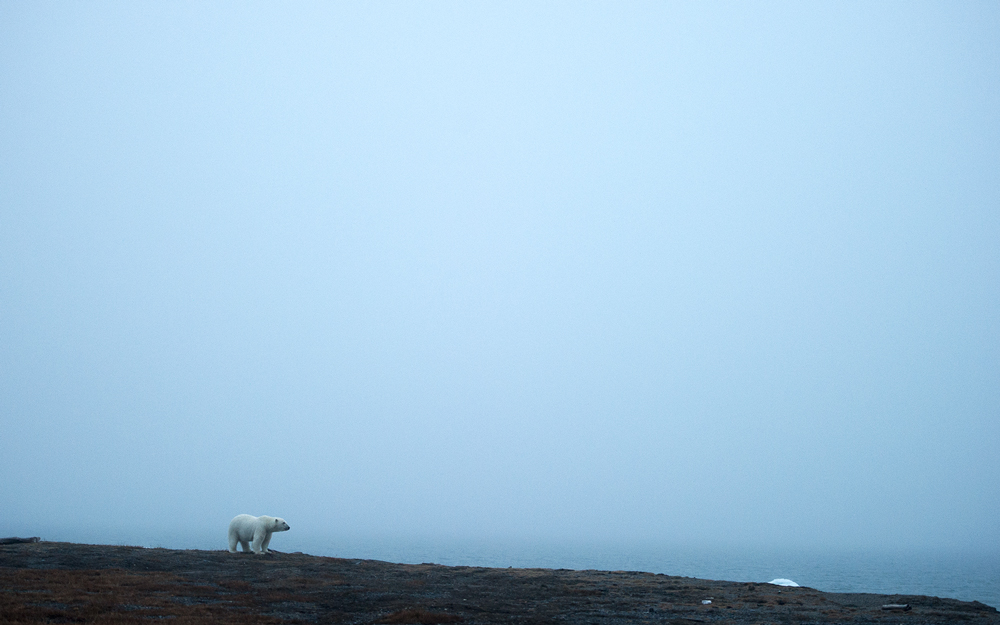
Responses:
[245,528]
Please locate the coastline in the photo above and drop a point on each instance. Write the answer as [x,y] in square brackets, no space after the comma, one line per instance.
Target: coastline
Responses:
[52,581]
[956,574]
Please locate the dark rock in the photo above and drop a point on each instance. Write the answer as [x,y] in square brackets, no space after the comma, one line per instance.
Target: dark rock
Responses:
[14,540]
[65,582]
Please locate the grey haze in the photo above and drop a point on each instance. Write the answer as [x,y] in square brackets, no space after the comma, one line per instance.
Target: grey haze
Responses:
[683,273]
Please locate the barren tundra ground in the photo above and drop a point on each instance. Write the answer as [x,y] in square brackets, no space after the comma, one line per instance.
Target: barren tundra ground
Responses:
[50,582]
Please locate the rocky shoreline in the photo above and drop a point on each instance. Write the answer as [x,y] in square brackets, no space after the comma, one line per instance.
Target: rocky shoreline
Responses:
[51,582]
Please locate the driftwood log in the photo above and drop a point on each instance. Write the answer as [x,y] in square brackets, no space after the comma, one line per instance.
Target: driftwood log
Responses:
[13,540]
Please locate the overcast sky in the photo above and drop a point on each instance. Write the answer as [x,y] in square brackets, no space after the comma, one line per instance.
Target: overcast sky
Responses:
[689,273]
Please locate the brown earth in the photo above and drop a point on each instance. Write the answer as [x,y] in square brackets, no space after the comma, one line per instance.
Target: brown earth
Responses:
[48,582]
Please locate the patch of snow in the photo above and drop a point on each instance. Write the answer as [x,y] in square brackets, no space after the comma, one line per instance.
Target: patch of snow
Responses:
[781,581]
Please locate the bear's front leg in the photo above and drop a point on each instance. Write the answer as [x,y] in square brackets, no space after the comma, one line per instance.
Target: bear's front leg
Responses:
[258,539]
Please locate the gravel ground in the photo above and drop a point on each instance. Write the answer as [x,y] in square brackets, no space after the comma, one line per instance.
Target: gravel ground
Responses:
[47,582]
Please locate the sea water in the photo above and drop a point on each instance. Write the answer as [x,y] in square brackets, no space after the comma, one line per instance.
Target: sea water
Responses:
[965,576]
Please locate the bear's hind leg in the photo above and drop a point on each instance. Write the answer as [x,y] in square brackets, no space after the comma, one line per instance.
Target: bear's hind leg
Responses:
[232,542]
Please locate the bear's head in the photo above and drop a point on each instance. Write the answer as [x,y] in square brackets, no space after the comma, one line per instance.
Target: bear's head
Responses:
[280,525]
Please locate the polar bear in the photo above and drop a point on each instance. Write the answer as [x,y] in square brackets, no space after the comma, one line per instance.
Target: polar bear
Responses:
[246,528]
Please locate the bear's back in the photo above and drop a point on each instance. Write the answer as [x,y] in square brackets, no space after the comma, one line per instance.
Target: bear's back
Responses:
[243,519]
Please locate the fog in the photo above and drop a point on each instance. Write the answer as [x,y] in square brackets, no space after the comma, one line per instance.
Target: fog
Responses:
[678,274]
